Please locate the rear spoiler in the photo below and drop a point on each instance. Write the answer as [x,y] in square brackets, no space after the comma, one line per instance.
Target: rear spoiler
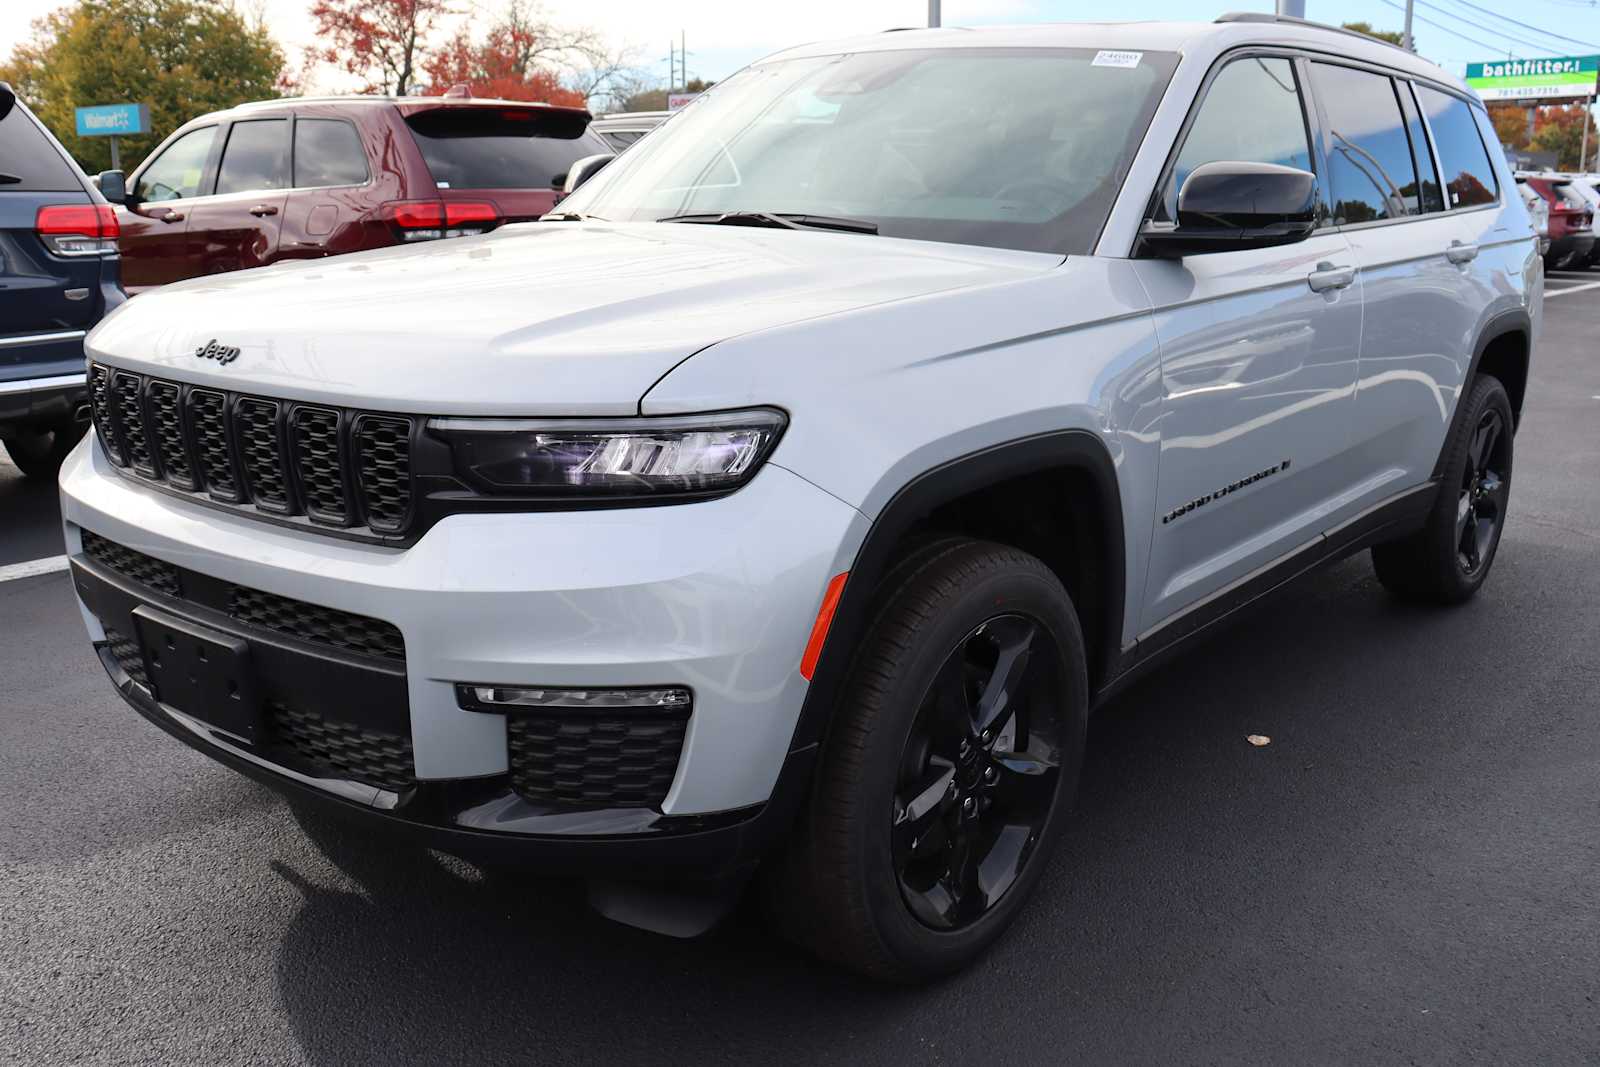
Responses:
[439,116]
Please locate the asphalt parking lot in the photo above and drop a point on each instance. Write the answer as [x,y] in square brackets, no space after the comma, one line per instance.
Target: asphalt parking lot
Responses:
[1409,872]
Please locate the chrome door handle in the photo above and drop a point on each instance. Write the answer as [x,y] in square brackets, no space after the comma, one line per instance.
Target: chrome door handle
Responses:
[172,216]
[1329,277]
[263,209]
[1459,253]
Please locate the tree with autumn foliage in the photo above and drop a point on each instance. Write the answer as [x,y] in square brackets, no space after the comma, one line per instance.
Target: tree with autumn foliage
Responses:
[1561,130]
[497,68]
[381,41]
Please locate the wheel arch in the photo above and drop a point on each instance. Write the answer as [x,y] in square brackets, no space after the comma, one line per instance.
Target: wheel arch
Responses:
[1504,349]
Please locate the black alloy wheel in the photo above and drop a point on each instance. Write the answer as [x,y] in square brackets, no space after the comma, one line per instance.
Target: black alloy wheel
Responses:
[979,773]
[1481,502]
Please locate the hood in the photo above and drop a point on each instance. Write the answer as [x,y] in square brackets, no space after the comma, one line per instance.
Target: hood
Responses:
[536,319]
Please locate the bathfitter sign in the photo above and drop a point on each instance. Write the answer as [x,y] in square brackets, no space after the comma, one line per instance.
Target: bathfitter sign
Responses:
[1571,77]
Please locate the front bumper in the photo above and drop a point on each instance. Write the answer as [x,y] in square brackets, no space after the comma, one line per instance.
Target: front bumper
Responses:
[717,596]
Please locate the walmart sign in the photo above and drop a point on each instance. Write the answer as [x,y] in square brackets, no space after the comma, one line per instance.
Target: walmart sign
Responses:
[113,120]
[1563,77]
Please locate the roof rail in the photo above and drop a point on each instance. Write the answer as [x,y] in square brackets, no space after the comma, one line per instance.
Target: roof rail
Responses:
[1260,16]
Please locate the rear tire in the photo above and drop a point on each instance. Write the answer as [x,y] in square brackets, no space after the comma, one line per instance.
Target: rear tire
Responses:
[39,454]
[1447,561]
[911,860]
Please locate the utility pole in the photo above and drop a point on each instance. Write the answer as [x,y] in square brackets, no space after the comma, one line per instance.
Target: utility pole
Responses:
[1405,34]
[933,14]
[683,58]
[1583,153]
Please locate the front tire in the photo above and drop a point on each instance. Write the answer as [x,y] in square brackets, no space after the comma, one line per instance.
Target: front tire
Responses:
[947,771]
[39,454]
[1447,561]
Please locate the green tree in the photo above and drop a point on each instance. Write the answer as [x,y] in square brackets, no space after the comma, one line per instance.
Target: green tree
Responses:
[182,57]
[1392,36]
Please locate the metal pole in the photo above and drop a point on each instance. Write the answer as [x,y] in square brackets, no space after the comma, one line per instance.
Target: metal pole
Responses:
[683,58]
[116,159]
[933,14]
[1405,34]
[1583,153]
[1292,8]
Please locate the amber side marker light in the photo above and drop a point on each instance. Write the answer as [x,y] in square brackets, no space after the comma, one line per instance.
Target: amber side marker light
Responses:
[819,630]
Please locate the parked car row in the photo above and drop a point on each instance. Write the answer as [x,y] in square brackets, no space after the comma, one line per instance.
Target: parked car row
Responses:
[1568,204]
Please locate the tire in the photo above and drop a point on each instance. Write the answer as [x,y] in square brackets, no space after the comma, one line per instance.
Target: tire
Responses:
[860,883]
[1448,560]
[39,455]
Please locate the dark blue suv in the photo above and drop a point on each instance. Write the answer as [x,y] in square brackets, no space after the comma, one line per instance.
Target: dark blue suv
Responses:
[59,275]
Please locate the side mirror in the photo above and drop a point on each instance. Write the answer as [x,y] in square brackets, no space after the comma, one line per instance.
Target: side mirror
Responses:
[8,100]
[1229,206]
[584,169]
[113,186]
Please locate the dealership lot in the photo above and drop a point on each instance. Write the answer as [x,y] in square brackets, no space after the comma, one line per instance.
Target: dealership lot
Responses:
[1406,872]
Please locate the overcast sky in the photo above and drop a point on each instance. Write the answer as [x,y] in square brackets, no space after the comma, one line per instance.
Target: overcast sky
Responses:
[724,35]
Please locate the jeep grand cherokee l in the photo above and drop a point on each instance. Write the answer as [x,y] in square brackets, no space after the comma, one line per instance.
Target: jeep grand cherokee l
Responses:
[303,178]
[784,504]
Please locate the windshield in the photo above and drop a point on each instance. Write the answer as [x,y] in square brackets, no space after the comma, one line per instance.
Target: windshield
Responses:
[1010,148]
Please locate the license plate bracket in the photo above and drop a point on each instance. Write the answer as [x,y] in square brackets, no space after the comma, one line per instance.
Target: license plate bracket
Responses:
[204,673]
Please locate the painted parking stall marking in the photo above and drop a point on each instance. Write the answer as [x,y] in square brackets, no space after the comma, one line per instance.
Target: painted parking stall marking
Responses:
[32,568]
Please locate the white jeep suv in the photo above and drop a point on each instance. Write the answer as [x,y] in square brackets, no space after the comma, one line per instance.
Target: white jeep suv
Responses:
[790,498]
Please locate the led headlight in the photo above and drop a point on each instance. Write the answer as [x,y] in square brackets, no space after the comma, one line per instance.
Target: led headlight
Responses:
[694,454]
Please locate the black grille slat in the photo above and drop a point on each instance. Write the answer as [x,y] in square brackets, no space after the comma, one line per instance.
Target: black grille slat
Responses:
[341,750]
[384,465]
[320,465]
[127,655]
[310,622]
[146,570]
[125,402]
[595,760]
[104,419]
[166,420]
[340,469]
[208,416]
[261,453]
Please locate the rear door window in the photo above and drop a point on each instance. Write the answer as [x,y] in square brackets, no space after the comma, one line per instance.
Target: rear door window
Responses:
[494,148]
[1469,176]
[175,174]
[29,163]
[257,157]
[1371,169]
[1252,113]
[327,152]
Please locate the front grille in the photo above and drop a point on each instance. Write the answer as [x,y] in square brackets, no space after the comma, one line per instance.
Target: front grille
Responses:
[340,749]
[590,760]
[146,570]
[342,470]
[127,655]
[328,626]
[285,615]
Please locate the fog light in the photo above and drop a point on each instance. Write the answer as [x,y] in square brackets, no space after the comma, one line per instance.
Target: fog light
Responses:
[510,698]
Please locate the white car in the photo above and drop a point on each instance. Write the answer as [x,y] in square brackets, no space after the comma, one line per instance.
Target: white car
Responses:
[784,504]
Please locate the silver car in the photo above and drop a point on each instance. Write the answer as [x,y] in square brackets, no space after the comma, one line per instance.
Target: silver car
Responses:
[781,507]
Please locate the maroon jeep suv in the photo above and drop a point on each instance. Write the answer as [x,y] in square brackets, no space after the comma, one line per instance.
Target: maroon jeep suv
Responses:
[303,178]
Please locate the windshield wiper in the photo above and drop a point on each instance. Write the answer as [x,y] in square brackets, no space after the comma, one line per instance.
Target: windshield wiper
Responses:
[568,216]
[782,220]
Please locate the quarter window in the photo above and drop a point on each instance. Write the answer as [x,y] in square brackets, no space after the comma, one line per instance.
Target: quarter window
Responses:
[1469,176]
[1252,114]
[175,174]
[257,157]
[1371,170]
[327,152]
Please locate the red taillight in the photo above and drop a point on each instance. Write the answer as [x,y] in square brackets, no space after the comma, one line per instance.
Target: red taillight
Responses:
[415,214]
[82,220]
[425,220]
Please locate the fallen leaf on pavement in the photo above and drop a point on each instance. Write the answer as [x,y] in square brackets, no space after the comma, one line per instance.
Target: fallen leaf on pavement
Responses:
[1259,740]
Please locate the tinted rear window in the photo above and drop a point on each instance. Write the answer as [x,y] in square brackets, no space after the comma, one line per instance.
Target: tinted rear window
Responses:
[27,155]
[257,157]
[1369,153]
[1468,174]
[491,148]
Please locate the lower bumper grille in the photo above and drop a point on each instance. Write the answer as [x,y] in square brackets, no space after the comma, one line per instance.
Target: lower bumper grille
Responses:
[585,760]
[127,655]
[340,749]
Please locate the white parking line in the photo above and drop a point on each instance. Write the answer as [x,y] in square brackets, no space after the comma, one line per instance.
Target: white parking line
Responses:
[1548,293]
[11,572]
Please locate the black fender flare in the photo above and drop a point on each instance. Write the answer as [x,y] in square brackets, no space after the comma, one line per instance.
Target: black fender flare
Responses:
[1515,321]
[1077,450]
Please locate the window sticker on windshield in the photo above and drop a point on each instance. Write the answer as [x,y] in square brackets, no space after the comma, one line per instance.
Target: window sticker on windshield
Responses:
[1117,59]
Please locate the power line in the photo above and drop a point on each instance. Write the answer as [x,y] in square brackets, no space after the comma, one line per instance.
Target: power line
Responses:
[1454,33]
[1525,25]
[1447,13]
